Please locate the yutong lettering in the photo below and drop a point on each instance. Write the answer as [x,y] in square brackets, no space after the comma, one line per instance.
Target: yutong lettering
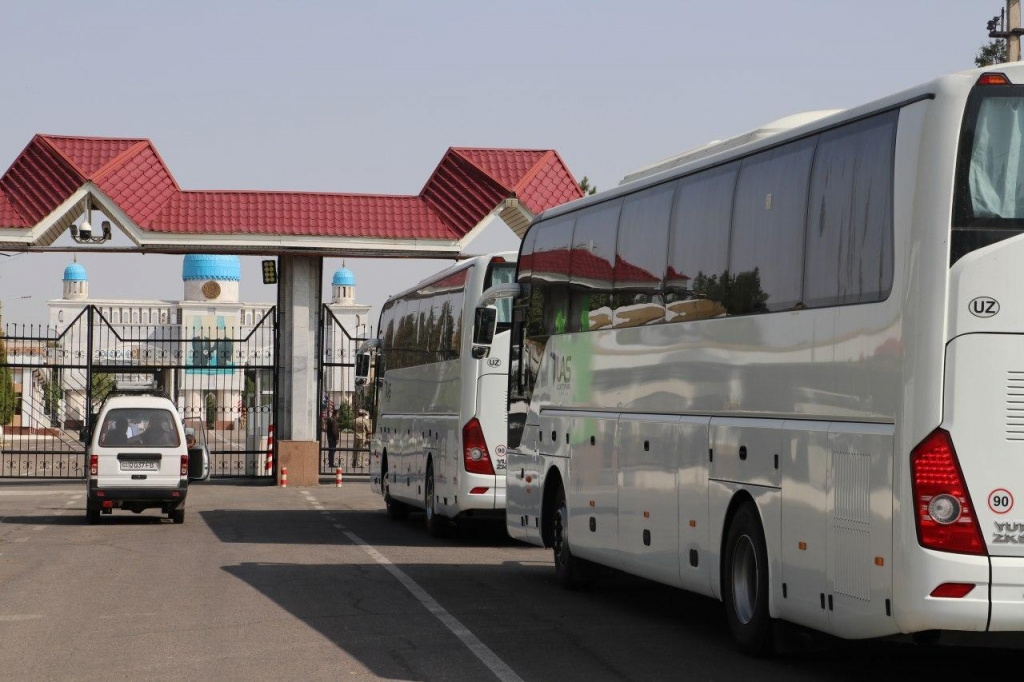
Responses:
[1009,533]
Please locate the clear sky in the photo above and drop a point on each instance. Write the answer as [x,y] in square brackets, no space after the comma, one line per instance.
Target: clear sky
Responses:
[366,96]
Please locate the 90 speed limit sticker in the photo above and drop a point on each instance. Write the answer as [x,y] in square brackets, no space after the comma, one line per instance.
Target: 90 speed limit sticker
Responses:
[1000,500]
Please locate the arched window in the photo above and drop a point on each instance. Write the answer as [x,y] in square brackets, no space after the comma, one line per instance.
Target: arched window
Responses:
[145,317]
[117,317]
[163,317]
[60,315]
[135,316]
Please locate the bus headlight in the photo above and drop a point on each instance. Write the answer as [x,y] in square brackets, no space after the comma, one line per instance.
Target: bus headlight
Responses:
[945,509]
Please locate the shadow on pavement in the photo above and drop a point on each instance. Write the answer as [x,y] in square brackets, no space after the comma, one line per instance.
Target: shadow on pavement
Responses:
[307,527]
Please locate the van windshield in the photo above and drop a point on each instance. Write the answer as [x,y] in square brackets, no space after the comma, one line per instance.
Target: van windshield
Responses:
[989,202]
[154,428]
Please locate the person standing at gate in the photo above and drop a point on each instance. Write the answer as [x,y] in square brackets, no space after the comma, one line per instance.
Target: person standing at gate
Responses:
[363,432]
[331,427]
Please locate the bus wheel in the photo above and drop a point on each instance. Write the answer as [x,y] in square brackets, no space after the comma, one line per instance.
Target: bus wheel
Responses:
[570,571]
[437,525]
[396,510]
[745,583]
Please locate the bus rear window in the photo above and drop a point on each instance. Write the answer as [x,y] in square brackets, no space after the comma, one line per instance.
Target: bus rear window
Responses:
[989,202]
[501,273]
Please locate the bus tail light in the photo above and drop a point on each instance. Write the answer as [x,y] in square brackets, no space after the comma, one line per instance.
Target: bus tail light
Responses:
[474,449]
[94,465]
[943,512]
[184,466]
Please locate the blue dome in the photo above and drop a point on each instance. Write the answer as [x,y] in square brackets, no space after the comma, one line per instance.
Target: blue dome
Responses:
[75,273]
[202,266]
[344,278]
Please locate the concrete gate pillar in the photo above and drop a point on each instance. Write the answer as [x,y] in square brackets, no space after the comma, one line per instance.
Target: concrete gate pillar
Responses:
[298,309]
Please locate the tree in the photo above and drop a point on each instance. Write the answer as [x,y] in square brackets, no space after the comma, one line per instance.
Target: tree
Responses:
[993,53]
[586,186]
[7,395]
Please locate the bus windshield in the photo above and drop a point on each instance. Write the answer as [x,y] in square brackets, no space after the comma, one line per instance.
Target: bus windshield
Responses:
[989,204]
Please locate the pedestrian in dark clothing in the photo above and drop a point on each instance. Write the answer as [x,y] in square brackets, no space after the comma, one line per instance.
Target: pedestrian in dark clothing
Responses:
[332,429]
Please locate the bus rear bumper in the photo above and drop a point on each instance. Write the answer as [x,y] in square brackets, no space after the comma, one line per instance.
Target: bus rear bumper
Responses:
[915,610]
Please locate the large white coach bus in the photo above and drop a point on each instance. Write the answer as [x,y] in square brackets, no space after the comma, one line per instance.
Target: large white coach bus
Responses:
[790,374]
[439,437]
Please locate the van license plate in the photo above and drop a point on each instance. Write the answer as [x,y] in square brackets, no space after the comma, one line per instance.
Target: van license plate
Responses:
[139,465]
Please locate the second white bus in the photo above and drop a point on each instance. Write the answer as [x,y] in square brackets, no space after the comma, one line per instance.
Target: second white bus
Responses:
[439,437]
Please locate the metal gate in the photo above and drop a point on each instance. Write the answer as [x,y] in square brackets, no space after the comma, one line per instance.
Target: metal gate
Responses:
[342,399]
[54,380]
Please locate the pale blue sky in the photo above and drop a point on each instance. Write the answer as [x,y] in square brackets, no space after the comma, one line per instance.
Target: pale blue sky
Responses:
[366,96]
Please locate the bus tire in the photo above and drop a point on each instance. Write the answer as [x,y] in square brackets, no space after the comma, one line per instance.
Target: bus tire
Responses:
[571,572]
[437,525]
[745,583]
[395,510]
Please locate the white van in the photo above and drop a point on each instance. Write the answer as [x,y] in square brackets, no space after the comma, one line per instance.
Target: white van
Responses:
[141,457]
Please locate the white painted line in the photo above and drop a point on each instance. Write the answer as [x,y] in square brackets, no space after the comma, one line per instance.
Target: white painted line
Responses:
[71,501]
[497,666]
[30,493]
[305,492]
[39,528]
[339,526]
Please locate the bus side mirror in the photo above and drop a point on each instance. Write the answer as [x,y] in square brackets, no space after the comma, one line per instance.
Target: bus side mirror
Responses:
[362,368]
[483,330]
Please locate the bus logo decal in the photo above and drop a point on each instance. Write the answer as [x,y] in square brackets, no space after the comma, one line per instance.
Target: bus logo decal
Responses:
[983,306]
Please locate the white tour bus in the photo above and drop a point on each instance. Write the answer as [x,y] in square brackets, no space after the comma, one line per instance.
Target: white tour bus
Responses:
[439,436]
[787,371]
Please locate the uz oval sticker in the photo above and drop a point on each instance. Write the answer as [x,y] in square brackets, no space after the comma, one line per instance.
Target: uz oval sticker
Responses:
[494,362]
[983,306]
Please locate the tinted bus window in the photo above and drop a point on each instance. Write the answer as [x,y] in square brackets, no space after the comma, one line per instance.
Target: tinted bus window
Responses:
[641,256]
[767,243]
[698,253]
[849,215]
[593,267]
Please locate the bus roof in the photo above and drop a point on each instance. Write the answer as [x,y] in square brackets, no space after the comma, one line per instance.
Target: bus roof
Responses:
[956,84]
[509,256]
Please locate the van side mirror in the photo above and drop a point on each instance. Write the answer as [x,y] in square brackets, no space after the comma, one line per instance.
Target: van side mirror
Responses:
[483,330]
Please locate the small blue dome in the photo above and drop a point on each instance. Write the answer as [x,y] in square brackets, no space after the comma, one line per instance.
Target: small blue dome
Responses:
[344,278]
[75,273]
[202,266]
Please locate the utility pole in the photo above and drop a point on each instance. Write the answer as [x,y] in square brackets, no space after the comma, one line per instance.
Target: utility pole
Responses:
[1013,30]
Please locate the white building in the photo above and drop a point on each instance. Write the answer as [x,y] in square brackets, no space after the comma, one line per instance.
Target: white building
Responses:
[209,310]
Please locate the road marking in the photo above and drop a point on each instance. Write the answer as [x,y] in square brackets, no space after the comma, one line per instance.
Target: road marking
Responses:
[39,528]
[30,493]
[12,618]
[339,526]
[497,666]
[305,492]
[71,501]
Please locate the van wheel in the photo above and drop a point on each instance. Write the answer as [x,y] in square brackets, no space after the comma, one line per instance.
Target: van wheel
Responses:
[92,513]
[178,515]
[437,525]
[396,510]
[745,583]
[570,572]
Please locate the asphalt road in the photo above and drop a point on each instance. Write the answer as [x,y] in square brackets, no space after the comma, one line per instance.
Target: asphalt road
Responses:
[265,583]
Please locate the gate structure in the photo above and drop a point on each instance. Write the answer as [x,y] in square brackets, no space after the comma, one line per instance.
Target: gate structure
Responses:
[339,395]
[56,379]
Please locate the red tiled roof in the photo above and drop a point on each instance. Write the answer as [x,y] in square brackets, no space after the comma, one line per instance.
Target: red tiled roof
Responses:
[322,215]
[465,187]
